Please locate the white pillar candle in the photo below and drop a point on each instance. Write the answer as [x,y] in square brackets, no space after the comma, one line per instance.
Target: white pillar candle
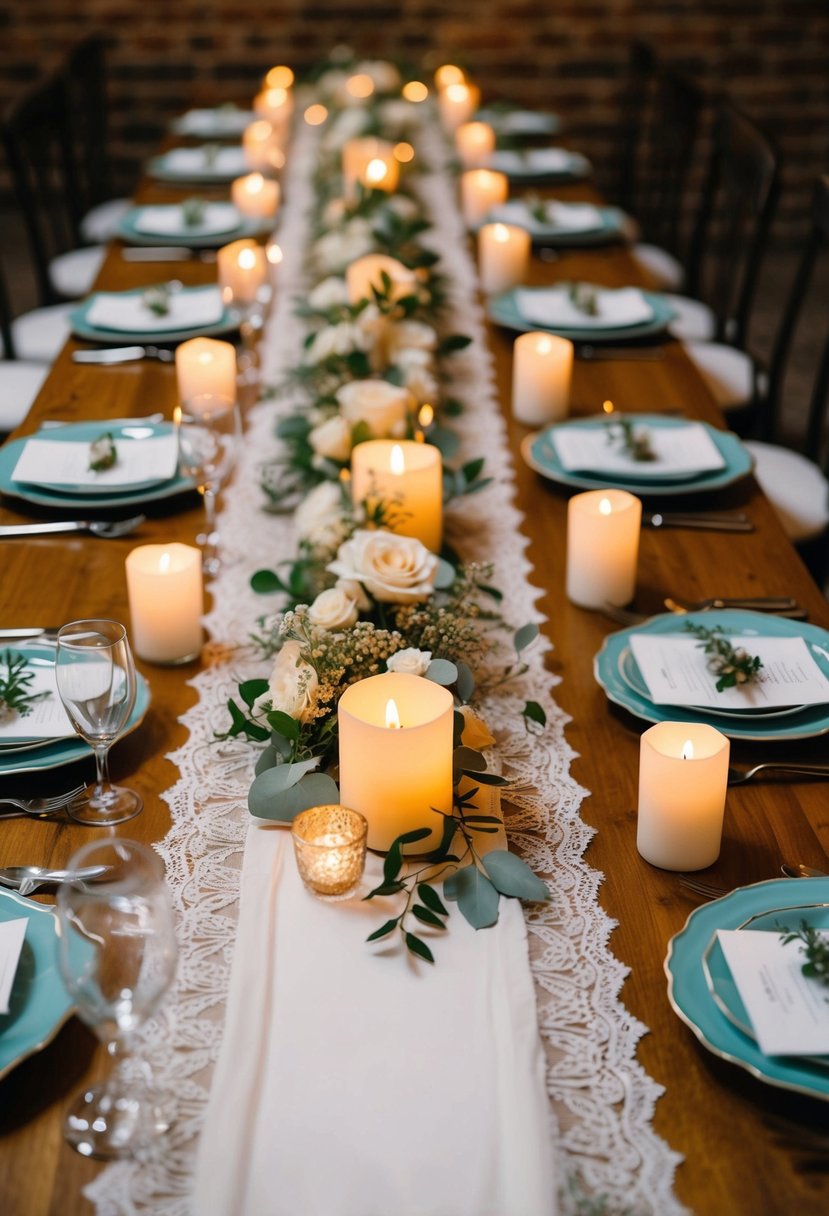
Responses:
[542,369]
[205,365]
[358,153]
[408,478]
[262,147]
[381,173]
[392,774]
[277,106]
[449,73]
[457,103]
[683,777]
[366,273]
[481,190]
[255,196]
[602,547]
[164,585]
[475,143]
[503,256]
[243,272]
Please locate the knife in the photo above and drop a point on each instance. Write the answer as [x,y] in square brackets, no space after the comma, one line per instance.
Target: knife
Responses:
[122,354]
[703,523]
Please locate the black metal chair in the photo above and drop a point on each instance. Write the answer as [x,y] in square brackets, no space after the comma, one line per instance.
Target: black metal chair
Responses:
[634,109]
[20,381]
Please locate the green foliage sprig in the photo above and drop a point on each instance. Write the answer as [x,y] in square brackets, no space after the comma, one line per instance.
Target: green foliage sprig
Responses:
[622,433]
[103,453]
[815,947]
[16,696]
[732,666]
[585,298]
[157,299]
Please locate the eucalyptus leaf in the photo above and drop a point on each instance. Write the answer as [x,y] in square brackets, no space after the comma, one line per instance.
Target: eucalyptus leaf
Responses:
[525,635]
[249,690]
[451,886]
[445,440]
[269,799]
[512,876]
[441,671]
[269,759]
[445,575]
[477,897]
[489,778]
[466,682]
[534,713]
[264,582]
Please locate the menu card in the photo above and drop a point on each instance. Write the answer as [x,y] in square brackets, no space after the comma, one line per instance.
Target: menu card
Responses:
[167,220]
[55,462]
[679,451]
[47,719]
[12,933]
[614,307]
[675,670]
[561,217]
[188,309]
[789,1011]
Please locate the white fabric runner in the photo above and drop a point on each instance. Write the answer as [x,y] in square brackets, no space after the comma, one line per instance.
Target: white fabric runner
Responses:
[354,1084]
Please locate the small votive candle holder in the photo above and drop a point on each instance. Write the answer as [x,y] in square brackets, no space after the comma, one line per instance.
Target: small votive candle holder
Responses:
[330,849]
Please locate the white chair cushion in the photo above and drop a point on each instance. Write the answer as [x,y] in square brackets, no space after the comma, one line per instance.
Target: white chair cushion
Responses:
[728,372]
[72,274]
[101,223]
[39,335]
[694,321]
[20,383]
[665,270]
[795,487]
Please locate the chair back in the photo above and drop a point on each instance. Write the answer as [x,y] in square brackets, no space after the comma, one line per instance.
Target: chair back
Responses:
[677,107]
[732,228]
[7,348]
[36,138]
[84,77]
[634,108]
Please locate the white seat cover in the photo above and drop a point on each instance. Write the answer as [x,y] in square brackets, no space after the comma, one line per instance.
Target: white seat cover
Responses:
[20,383]
[728,372]
[795,487]
[665,270]
[72,274]
[694,320]
[101,223]
[39,335]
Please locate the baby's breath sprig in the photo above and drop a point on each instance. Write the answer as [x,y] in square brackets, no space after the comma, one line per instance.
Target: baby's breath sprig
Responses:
[585,298]
[15,680]
[103,453]
[732,666]
[815,946]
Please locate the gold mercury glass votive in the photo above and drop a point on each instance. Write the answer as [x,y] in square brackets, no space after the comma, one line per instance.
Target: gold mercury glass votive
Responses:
[330,848]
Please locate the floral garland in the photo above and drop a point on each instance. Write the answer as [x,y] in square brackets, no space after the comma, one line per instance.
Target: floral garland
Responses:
[362,597]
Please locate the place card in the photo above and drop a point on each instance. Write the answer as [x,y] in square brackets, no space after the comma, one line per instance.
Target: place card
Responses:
[12,933]
[168,220]
[675,670]
[789,1011]
[55,462]
[47,719]
[679,451]
[188,309]
[558,217]
[614,307]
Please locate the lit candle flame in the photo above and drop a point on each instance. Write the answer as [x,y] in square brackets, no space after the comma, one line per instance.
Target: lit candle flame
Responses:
[275,98]
[280,77]
[376,170]
[426,415]
[605,507]
[315,115]
[246,259]
[404,153]
[392,716]
[544,346]
[177,416]
[164,563]
[501,233]
[457,92]
[448,74]
[255,183]
[360,85]
[274,253]
[415,90]
[687,750]
[397,463]
[608,407]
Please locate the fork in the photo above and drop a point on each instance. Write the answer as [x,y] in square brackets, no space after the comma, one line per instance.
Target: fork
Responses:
[708,890]
[739,776]
[43,806]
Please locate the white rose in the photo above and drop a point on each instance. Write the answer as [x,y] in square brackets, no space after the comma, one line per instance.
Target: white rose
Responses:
[385,75]
[332,439]
[394,569]
[356,592]
[334,250]
[396,114]
[293,685]
[333,609]
[319,518]
[411,335]
[411,661]
[328,294]
[339,339]
[403,206]
[418,376]
[383,407]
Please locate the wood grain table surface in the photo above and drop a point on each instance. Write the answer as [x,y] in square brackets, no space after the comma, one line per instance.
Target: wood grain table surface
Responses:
[713,1113]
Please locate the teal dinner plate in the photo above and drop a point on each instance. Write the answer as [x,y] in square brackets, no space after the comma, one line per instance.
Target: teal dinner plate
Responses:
[159,167]
[39,1003]
[122,431]
[216,122]
[81,328]
[57,752]
[246,227]
[613,669]
[511,122]
[503,310]
[530,167]
[694,1001]
[609,228]
[539,453]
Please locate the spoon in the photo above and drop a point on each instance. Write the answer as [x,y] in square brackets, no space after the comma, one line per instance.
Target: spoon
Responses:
[107,529]
[801,871]
[26,879]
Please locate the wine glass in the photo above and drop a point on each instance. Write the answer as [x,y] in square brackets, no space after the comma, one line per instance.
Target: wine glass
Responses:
[209,427]
[95,676]
[117,957]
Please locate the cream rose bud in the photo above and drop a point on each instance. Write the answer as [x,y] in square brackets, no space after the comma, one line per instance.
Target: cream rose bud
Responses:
[293,685]
[356,592]
[411,335]
[332,439]
[410,662]
[403,206]
[394,569]
[383,407]
[385,75]
[336,249]
[328,294]
[475,731]
[333,609]
[335,340]
[319,518]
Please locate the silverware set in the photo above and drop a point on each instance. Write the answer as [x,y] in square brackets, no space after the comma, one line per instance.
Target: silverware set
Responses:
[783,606]
[167,253]
[700,521]
[106,529]
[123,354]
[41,806]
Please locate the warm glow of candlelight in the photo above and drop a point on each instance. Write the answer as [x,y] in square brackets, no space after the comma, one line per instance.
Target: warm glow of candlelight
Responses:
[404,153]
[274,253]
[375,171]
[397,462]
[448,74]
[359,86]
[315,115]
[605,507]
[164,563]
[687,750]
[426,416]
[280,77]
[177,416]
[500,233]
[415,90]
[544,346]
[247,259]
[608,407]
[392,716]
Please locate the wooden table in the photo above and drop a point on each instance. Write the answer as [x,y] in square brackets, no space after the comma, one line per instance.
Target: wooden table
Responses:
[713,1113]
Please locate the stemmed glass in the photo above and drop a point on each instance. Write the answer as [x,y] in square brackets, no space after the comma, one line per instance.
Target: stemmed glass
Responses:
[209,428]
[117,957]
[95,677]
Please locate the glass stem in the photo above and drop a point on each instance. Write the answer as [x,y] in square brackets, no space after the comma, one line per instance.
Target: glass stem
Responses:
[210,551]
[102,783]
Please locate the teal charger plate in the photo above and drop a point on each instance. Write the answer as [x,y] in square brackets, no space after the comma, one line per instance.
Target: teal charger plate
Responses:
[575,169]
[693,1001]
[39,1003]
[72,748]
[248,227]
[81,328]
[511,122]
[610,228]
[159,168]
[807,723]
[503,310]
[540,454]
[86,432]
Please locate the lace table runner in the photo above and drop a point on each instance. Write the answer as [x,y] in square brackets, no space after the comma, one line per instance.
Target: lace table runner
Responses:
[601,1098]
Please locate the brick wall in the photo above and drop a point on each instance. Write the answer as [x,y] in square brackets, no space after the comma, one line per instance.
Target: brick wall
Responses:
[771,55]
